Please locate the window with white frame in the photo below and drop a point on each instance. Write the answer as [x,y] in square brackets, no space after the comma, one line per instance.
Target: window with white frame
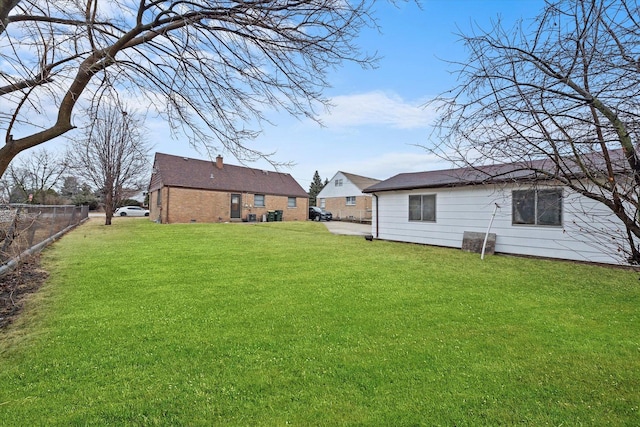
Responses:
[323,203]
[422,207]
[351,200]
[291,202]
[537,207]
[258,201]
[338,182]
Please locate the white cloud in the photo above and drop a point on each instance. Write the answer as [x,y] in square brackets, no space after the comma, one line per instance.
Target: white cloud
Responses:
[377,108]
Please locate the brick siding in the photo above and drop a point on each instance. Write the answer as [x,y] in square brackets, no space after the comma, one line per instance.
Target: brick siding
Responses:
[340,210]
[183,205]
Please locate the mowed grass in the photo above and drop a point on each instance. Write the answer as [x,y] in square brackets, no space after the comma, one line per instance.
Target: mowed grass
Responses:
[284,323]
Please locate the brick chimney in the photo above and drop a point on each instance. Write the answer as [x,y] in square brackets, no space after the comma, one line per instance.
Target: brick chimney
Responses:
[219,163]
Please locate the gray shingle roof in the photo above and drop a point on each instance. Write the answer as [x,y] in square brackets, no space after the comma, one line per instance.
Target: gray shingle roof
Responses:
[176,171]
[490,174]
[361,182]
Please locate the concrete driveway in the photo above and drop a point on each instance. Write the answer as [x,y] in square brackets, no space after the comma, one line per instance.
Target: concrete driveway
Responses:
[349,228]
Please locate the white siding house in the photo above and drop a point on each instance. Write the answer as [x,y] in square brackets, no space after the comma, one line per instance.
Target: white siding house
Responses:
[534,218]
[343,196]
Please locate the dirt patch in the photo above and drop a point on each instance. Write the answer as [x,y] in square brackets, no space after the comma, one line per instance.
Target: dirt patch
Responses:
[16,285]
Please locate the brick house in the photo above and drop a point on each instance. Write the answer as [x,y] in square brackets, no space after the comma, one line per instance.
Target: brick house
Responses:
[185,190]
[343,196]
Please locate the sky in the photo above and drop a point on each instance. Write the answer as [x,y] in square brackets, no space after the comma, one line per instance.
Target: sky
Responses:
[379,124]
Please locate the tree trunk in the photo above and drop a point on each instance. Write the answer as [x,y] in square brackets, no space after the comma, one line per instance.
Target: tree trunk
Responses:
[5,8]
[108,206]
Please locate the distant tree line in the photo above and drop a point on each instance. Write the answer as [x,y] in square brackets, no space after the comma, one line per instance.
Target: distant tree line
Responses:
[107,166]
[47,178]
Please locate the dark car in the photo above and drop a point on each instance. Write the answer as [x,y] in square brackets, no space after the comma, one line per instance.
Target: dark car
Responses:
[317,214]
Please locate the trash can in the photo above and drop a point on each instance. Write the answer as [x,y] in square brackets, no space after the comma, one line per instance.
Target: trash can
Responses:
[278,215]
[271,216]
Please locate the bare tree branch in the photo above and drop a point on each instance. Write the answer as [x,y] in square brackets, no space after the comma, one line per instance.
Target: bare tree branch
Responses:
[568,92]
[6,6]
[210,68]
[113,155]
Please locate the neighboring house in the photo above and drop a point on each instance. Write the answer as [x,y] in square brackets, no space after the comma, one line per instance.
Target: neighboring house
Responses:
[343,197]
[533,216]
[137,195]
[190,190]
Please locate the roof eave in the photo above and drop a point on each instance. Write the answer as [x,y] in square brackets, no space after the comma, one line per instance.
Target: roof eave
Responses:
[233,190]
[453,185]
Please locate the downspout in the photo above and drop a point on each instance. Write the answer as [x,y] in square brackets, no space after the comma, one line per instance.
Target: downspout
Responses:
[166,212]
[377,216]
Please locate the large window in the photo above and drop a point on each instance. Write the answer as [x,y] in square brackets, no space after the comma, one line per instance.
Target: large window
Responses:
[351,200]
[258,200]
[537,207]
[422,208]
[291,202]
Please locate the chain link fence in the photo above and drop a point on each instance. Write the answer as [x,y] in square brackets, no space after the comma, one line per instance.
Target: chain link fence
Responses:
[357,215]
[31,227]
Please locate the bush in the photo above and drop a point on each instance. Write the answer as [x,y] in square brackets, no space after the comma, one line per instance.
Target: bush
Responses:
[86,199]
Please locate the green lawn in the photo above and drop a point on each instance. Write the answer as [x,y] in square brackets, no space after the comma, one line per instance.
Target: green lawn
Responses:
[284,323]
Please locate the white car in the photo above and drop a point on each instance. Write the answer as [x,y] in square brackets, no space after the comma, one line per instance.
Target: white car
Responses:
[131,211]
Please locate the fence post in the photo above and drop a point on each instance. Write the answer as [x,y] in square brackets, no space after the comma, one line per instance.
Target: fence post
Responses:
[31,232]
[53,222]
[11,231]
[69,216]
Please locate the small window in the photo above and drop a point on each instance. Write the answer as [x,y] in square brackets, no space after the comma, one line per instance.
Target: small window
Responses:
[351,200]
[323,203]
[258,201]
[422,208]
[338,182]
[291,202]
[537,207]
